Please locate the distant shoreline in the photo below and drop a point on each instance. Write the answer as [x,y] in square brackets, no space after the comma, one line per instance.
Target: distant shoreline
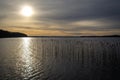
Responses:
[55,37]
[71,36]
[8,34]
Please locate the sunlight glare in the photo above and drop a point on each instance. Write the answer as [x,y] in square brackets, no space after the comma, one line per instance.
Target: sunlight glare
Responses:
[27,11]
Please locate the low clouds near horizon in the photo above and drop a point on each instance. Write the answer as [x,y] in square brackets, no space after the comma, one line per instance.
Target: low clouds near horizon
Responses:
[62,17]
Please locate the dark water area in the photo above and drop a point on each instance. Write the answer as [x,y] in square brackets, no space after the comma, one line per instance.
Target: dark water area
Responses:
[60,59]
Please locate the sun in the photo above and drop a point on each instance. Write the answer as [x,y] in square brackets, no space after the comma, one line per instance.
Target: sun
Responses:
[27,11]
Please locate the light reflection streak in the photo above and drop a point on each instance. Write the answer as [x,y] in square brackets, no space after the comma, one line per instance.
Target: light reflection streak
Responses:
[26,57]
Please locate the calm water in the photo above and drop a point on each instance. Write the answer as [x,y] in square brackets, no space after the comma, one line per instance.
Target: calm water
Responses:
[60,59]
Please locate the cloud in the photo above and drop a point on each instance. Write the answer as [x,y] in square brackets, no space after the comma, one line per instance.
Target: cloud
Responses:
[67,10]
[79,9]
[72,16]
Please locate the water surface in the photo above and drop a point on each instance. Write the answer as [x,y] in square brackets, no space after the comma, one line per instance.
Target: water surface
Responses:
[59,58]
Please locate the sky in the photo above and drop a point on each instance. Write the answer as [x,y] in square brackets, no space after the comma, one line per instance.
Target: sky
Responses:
[62,17]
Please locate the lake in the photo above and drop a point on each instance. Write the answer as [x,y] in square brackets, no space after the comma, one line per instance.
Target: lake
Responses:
[60,58]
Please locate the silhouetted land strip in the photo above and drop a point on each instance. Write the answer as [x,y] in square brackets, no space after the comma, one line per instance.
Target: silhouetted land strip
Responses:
[7,34]
[75,36]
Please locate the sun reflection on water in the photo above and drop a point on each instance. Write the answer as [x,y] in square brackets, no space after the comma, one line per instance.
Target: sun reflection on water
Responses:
[26,57]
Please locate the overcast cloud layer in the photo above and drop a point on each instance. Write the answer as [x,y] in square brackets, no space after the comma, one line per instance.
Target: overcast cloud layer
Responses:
[75,17]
